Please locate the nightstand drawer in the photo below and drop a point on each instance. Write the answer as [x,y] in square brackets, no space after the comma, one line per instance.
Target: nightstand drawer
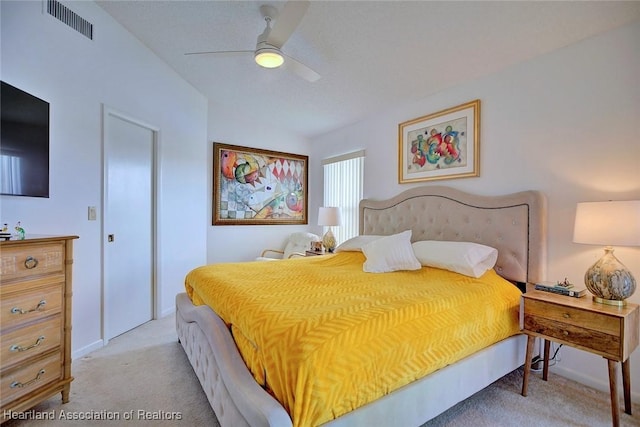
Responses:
[589,339]
[31,260]
[574,316]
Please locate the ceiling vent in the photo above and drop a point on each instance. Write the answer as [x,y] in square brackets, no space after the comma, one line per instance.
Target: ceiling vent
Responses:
[69,17]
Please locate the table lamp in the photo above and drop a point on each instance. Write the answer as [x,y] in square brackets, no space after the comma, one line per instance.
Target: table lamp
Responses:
[329,216]
[612,223]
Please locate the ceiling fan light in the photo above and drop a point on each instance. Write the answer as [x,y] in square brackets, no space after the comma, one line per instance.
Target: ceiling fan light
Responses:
[269,58]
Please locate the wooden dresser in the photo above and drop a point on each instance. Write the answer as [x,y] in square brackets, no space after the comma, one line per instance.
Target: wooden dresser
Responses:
[35,321]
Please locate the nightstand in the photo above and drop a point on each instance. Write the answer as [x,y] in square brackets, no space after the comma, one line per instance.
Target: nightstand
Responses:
[315,253]
[610,331]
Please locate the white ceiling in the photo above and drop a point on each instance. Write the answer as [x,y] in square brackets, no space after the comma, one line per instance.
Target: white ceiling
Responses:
[371,54]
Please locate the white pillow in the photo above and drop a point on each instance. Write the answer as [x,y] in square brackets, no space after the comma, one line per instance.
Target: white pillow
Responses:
[390,253]
[355,243]
[470,259]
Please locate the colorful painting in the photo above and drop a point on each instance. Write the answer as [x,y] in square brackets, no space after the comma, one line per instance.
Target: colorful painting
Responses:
[253,186]
[442,145]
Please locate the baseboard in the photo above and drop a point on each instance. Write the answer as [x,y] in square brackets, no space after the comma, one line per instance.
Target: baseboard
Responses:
[167,312]
[591,382]
[96,345]
[76,354]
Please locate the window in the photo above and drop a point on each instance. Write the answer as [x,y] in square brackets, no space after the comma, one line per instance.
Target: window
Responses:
[344,188]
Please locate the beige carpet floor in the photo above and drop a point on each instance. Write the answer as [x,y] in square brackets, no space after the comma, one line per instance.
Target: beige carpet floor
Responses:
[144,375]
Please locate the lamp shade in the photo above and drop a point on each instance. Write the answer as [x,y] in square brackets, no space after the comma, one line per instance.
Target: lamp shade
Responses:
[615,223]
[329,216]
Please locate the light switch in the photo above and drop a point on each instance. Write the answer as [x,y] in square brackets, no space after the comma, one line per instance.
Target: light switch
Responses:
[92,213]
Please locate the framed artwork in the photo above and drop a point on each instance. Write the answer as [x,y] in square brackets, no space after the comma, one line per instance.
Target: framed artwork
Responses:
[441,145]
[253,186]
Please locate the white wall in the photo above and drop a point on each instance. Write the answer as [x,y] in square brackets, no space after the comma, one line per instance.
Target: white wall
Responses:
[565,123]
[77,76]
[230,243]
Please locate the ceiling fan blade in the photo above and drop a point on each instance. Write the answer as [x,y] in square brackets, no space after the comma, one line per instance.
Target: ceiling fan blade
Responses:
[300,69]
[287,21]
[223,53]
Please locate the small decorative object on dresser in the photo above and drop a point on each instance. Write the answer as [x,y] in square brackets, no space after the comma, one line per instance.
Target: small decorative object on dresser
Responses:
[611,332]
[35,321]
[20,233]
[5,234]
[608,223]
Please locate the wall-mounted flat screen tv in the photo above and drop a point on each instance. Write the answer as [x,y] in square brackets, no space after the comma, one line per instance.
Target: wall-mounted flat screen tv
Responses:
[24,143]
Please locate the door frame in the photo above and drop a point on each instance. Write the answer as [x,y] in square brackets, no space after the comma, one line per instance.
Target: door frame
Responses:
[108,112]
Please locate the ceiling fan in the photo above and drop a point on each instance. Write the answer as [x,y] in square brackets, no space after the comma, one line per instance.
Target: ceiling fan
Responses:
[268,51]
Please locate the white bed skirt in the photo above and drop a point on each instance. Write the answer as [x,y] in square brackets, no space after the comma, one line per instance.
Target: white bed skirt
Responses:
[238,400]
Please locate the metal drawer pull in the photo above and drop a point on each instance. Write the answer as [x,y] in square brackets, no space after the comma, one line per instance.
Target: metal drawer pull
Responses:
[16,347]
[28,383]
[18,310]
[566,333]
[31,262]
[566,315]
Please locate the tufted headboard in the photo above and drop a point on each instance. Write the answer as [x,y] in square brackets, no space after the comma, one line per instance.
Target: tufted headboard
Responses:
[514,224]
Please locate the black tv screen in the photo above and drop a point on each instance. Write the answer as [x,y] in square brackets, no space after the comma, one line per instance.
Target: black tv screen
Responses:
[24,143]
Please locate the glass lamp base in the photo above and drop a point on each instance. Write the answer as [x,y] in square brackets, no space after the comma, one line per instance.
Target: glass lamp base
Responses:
[609,280]
[329,241]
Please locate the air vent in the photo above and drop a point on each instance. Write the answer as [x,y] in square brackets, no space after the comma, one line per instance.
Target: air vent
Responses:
[69,17]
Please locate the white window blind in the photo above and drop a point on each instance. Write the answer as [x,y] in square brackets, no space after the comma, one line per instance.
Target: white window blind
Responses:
[344,188]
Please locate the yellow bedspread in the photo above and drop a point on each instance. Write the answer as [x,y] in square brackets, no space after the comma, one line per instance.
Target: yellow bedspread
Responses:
[325,338]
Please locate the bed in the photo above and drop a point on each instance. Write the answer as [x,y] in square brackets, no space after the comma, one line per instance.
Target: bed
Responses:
[514,224]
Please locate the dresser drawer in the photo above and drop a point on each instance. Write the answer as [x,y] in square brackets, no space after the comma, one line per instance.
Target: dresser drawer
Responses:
[31,260]
[34,304]
[30,378]
[586,319]
[29,341]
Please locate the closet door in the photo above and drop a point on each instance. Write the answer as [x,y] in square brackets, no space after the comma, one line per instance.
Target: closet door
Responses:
[129,224]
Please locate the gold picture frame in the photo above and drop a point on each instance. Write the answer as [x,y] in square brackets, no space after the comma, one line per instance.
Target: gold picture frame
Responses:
[442,145]
[256,187]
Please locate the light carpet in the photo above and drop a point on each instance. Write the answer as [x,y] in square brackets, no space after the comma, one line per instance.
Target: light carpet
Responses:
[143,378]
